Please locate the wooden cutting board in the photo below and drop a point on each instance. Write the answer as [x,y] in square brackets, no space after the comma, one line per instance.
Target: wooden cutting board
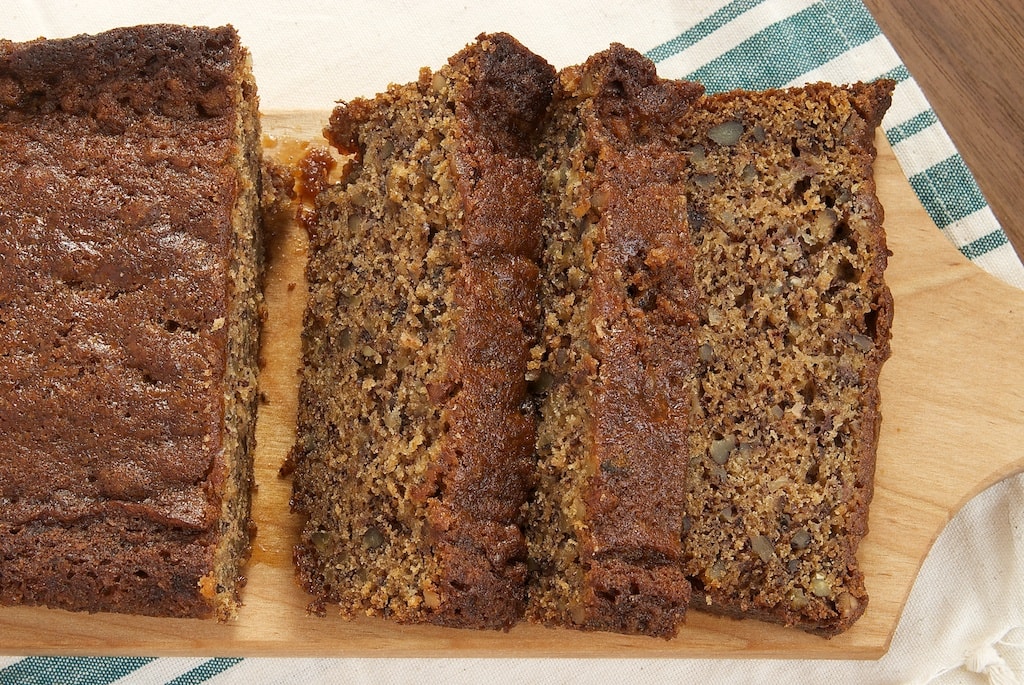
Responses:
[953,423]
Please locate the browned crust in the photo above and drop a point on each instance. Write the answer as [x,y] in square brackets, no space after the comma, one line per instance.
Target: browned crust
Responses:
[113,77]
[643,313]
[642,317]
[640,350]
[116,158]
[487,459]
[112,564]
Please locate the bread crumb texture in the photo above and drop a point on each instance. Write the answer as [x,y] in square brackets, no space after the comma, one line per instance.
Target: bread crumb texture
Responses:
[593,349]
[795,325]
[415,450]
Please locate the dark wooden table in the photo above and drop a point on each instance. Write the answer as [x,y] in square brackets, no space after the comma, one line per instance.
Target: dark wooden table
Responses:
[968,58]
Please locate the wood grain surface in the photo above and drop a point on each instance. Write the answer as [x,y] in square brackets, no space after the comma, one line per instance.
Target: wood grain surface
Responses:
[968,56]
[953,423]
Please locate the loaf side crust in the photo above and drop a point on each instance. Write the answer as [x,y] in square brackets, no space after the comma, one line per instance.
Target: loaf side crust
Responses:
[617,354]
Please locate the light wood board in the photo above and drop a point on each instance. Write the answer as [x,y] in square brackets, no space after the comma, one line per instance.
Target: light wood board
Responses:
[953,423]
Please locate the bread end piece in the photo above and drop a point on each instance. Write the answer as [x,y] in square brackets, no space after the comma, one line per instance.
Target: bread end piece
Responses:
[130,306]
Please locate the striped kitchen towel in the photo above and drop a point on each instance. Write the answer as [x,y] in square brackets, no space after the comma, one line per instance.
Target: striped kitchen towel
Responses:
[103,670]
[751,44]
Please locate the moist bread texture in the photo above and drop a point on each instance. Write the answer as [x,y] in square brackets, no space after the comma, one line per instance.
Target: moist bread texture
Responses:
[795,326]
[130,309]
[414,454]
[614,366]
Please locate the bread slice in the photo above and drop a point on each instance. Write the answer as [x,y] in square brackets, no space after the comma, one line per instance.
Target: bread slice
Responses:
[415,438]
[617,354]
[130,311]
[795,326]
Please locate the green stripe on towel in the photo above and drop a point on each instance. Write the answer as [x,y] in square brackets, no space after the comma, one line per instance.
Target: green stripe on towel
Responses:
[898,74]
[783,51]
[984,244]
[204,671]
[701,30]
[948,191]
[915,124]
[70,670]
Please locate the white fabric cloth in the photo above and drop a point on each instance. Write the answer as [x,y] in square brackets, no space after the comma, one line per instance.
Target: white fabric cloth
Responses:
[964,622]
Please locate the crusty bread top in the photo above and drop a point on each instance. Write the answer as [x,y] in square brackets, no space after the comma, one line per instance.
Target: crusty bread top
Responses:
[118,193]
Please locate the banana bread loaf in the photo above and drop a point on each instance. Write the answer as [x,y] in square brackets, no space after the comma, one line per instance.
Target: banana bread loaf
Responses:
[130,309]
[415,440]
[617,353]
[795,326]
